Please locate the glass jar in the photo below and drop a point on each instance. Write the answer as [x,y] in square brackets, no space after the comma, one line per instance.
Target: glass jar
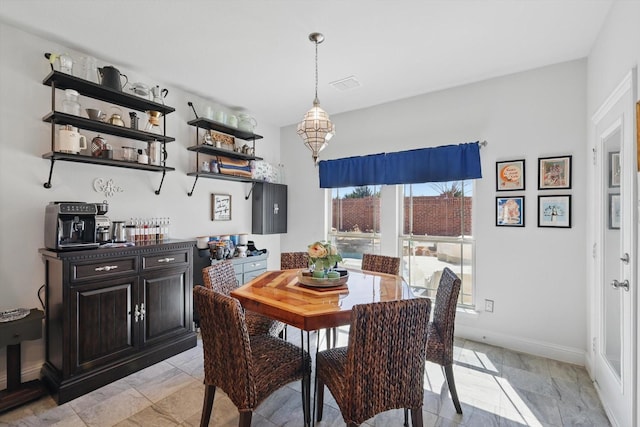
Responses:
[70,104]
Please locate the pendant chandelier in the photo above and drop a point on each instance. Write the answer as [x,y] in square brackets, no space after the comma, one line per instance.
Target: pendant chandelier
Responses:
[316,129]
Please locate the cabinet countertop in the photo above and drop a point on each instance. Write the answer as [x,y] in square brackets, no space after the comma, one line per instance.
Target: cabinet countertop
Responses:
[100,252]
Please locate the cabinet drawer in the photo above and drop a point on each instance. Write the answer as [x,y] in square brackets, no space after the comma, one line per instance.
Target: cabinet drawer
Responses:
[103,268]
[165,260]
[253,274]
[255,265]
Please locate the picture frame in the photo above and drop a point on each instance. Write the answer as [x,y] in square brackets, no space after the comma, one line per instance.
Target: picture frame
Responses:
[510,175]
[614,169]
[554,173]
[221,207]
[510,211]
[554,211]
[614,211]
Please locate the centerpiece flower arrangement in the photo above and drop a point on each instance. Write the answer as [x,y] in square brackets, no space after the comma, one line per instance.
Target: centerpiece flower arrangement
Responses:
[322,257]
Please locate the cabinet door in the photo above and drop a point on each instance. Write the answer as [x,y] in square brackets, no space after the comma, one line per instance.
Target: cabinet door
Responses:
[104,326]
[269,215]
[167,304]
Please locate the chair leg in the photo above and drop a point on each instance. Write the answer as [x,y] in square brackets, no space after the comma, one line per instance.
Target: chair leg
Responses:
[306,399]
[406,417]
[245,419]
[328,335]
[207,405]
[319,398]
[416,417]
[452,388]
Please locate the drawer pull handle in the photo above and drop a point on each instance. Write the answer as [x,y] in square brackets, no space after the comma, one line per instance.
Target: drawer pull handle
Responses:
[166,259]
[136,313]
[106,268]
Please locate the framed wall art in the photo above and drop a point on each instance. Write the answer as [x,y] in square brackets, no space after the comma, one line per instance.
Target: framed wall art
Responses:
[221,207]
[554,211]
[614,211]
[510,211]
[614,169]
[510,175]
[554,173]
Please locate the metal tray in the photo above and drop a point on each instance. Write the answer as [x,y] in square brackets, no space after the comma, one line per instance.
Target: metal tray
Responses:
[314,282]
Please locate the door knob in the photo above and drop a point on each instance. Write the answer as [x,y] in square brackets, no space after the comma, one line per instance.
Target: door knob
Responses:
[625,258]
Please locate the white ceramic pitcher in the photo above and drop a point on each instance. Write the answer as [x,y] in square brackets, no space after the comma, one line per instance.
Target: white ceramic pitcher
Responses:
[70,140]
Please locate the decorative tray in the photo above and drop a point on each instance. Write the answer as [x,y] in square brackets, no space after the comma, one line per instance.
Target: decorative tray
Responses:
[15,314]
[314,282]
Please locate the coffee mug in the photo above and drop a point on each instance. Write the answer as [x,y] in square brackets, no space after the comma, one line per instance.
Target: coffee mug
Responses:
[70,141]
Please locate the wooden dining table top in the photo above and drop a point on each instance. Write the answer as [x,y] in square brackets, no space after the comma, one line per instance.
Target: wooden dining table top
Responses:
[279,295]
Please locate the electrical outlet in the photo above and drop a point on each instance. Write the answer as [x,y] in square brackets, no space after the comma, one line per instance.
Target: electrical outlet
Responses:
[488,305]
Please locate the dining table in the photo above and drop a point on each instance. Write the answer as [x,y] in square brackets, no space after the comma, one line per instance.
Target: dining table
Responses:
[280,295]
[309,306]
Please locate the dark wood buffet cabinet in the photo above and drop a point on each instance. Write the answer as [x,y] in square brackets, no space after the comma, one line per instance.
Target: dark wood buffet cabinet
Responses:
[112,312]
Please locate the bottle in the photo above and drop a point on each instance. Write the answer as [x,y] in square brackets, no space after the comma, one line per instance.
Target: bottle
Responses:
[138,231]
[145,231]
[167,232]
[70,104]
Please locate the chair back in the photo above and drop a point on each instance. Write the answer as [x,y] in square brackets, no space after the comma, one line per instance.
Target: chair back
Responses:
[386,357]
[289,260]
[381,264]
[440,346]
[221,277]
[225,342]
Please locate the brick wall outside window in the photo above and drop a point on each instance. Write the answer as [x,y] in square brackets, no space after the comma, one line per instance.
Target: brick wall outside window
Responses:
[432,215]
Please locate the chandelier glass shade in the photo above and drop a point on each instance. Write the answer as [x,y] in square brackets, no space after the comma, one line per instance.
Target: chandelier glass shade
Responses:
[316,128]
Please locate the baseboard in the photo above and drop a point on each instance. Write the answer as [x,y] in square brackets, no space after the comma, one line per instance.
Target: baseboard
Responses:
[538,348]
[28,373]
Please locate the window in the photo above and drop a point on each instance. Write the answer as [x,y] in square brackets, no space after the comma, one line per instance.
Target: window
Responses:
[355,222]
[437,233]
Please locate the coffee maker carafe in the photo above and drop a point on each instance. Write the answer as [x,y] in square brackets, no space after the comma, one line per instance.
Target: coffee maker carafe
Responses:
[103,229]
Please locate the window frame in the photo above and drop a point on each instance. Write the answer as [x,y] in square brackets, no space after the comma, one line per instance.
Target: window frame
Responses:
[411,238]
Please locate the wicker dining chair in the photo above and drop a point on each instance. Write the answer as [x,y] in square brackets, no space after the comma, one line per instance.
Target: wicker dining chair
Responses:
[382,366]
[381,264]
[440,336]
[289,260]
[370,262]
[221,277]
[247,368]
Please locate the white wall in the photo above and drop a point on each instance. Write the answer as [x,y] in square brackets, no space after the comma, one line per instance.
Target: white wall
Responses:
[536,276]
[24,137]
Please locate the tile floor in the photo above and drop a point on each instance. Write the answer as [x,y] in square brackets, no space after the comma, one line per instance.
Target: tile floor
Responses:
[497,387]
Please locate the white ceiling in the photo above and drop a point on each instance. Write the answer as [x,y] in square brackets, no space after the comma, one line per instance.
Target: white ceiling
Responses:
[256,55]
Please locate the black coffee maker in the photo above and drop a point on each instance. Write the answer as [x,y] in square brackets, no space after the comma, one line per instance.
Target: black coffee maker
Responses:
[70,226]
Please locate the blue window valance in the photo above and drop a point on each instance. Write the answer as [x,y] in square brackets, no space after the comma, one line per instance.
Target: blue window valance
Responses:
[436,164]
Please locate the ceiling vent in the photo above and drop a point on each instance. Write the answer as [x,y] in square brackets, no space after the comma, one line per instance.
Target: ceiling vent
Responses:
[347,83]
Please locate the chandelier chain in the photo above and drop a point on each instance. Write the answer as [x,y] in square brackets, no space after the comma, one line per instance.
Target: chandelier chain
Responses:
[316,98]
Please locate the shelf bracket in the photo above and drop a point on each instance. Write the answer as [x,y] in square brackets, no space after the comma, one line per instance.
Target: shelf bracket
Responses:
[164,172]
[253,184]
[48,183]
[190,193]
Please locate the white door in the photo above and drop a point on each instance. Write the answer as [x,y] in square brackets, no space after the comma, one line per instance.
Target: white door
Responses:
[615,254]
